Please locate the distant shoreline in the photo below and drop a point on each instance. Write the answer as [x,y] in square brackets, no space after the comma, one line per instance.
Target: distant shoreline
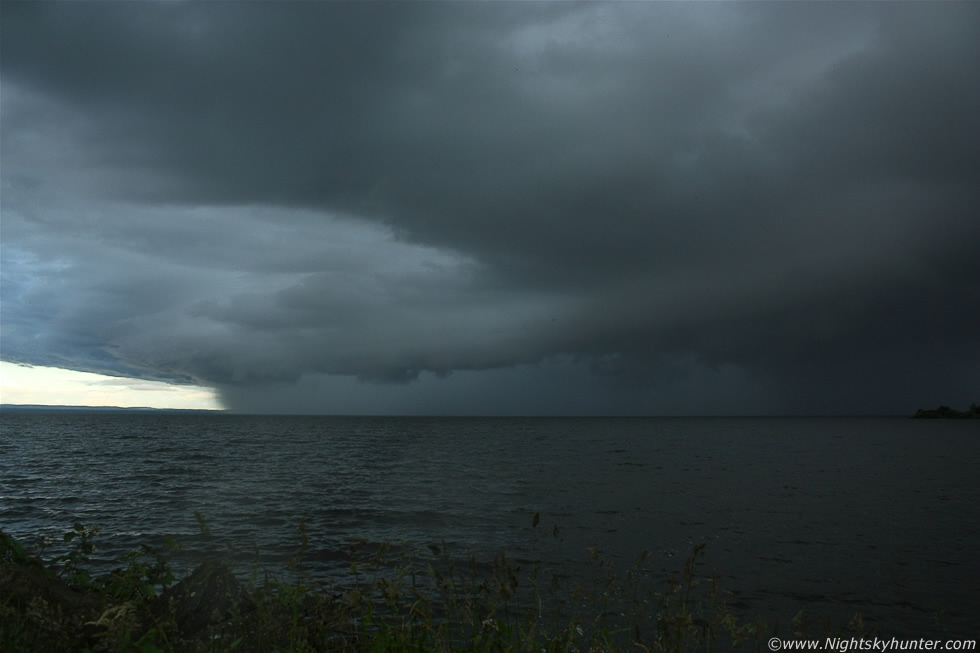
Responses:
[40,408]
[131,410]
[945,412]
[942,412]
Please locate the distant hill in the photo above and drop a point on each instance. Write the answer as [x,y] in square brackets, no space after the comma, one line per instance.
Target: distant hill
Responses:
[37,408]
[945,412]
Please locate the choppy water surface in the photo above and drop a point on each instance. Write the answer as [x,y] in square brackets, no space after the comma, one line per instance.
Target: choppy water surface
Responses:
[832,516]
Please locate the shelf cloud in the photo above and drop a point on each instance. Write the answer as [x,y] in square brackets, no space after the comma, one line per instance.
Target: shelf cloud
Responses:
[649,208]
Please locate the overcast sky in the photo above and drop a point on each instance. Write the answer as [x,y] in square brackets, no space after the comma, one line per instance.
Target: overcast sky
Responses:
[518,208]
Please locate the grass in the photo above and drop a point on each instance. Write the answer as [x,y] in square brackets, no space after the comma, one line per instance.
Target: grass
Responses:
[392,600]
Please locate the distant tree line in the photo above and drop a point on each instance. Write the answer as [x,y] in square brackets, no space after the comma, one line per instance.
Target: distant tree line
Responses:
[947,412]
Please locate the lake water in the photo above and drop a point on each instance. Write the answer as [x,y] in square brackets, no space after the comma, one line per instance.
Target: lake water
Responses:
[831,516]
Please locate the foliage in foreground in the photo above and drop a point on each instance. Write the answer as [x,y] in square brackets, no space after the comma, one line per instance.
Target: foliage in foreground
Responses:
[419,602]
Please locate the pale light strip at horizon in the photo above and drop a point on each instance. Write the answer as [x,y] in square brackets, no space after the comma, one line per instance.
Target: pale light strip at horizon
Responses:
[50,386]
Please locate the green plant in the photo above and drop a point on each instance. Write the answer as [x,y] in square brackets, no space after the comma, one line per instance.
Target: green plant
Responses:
[146,571]
[70,563]
[13,551]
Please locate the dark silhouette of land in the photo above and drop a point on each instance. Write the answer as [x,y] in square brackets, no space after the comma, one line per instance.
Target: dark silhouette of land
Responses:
[38,408]
[945,412]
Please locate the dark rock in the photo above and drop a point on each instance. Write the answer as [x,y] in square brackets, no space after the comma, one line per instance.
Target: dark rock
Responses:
[208,597]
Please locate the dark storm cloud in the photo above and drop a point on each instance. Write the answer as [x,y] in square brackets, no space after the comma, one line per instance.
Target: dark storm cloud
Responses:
[778,201]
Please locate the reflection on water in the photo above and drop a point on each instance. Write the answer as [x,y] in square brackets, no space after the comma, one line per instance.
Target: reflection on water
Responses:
[833,516]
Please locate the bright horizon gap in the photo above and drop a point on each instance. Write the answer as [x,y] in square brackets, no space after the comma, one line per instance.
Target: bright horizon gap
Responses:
[52,386]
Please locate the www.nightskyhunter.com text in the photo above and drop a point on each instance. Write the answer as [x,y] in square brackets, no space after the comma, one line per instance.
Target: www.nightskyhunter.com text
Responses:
[843,644]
